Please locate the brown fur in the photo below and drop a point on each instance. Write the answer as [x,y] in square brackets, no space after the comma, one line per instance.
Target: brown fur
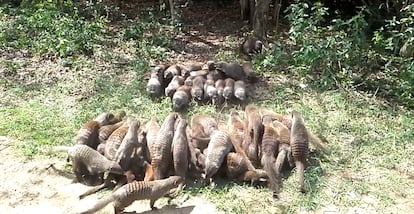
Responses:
[180,149]
[299,143]
[231,70]
[137,190]
[198,88]
[89,133]
[162,156]
[181,98]
[253,134]
[228,90]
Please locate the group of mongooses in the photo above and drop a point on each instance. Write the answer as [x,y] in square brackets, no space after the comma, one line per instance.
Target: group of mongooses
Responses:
[211,82]
[252,147]
[154,159]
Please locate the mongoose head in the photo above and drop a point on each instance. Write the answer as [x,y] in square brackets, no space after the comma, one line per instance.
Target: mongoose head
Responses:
[258,46]
[180,101]
[104,118]
[240,94]
[211,65]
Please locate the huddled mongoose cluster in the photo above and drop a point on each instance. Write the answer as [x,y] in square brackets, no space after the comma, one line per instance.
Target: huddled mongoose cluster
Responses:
[211,82]
[152,160]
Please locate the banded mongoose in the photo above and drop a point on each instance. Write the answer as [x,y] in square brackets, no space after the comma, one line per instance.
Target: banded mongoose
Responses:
[270,148]
[219,84]
[186,69]
[180,149]
[299,143]
[236,127]
[215,75]
[210,91]
[228,90]
[197,89]
[286,121]
[128,145]
[240,90]
[218,147]
[89,133]
[202,127]
[175,83]
[107,130]
[253,134]
[151,130]
[117,117]
[156,83]
[236,167]
[248,70]
[137,190]
[210,65]
[181,98]
[284,148]
[161,157]
[232,70]
[171,71]
[251,47]
[114,140]
[95,163]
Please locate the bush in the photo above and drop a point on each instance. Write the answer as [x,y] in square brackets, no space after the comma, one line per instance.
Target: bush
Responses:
[330,54]
[45,30]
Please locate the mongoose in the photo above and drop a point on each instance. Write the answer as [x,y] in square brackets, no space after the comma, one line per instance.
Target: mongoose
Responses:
[228,90]
[161,157]
[299,143]
[270,148]
[114,140]
[180,149]
[95,163]
[186,69]
[137,190]
[117,117]
[202,72]
[218,147]
[175,83]
[198,88]
[253,134]
[149,172]
[284,150]
[210,65]
[251,47]
[201,128]
[210,91]
[232,70]
[156,83]
[171,71]
[287,122]
[89,133]
[248,70]
[236,127]
[215,75]
[151,129]
[128,144]
[236,167]
[219,84]
[181,98]
[240,90]
[106,131]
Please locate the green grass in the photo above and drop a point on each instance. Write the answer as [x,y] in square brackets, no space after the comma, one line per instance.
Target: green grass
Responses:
[369,168]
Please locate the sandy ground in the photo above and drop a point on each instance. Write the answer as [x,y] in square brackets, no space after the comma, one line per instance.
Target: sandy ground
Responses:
[34,187]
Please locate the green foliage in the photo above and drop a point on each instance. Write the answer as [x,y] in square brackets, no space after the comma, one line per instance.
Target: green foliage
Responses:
[330,54]
[46,30]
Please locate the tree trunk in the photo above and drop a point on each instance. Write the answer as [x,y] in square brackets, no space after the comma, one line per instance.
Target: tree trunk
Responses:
[252,9]
[276,13]
[173,11]
[260,19]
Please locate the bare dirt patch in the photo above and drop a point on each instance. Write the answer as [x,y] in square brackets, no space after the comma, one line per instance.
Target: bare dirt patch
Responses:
[31,186]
